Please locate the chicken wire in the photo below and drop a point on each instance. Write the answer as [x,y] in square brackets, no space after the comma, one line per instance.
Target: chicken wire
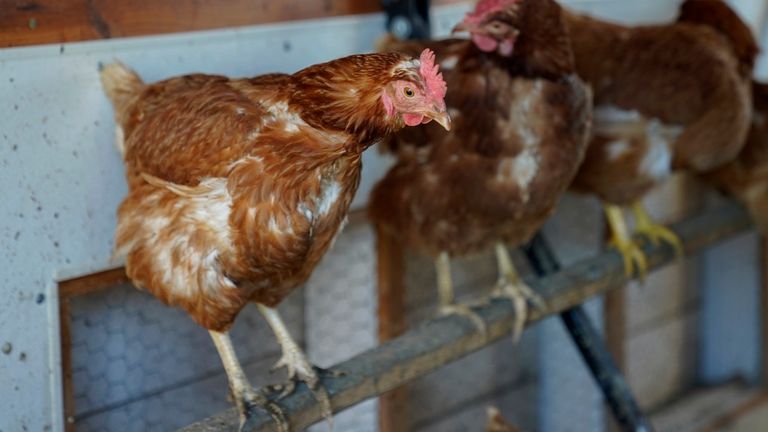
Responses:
[140,366]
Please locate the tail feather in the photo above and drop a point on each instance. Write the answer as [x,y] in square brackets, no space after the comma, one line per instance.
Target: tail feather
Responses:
[122,85]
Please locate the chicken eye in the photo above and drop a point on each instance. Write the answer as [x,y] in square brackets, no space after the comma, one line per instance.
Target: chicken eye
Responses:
[496,27]
[408,92]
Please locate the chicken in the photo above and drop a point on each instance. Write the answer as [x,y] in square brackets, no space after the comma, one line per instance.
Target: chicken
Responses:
[746,178]
[667,97]
[237,187]
[521,119]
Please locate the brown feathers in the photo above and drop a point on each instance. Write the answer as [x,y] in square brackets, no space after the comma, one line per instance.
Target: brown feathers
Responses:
[666,97]
[746,178]
[239,186]
[519,133]
[717,14]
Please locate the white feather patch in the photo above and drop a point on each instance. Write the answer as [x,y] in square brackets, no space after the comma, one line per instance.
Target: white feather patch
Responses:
[657,161]
[449,62]
[617,149]
[120,140]
[520,169]
[328,196]
[201,210]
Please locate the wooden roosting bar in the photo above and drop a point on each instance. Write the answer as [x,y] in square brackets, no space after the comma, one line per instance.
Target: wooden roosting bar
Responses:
[438,342]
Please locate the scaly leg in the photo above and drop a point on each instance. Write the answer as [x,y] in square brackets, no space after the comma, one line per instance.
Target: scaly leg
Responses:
[246,399]
[296,363]
[655,232]
[448,306]
[510,286]
[620,239]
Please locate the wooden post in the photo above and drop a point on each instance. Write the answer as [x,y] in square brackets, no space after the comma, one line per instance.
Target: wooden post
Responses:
[392,323]
[615,325]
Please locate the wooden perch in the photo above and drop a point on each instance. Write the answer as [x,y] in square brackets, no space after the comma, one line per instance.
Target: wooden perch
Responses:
[440,341]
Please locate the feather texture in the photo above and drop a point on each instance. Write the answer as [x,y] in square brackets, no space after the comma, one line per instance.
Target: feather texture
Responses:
[519,132]
[239,186]
[677,97]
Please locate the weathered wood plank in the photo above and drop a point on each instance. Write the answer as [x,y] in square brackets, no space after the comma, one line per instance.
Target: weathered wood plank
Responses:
[440,341]
[92,282]
[32,22]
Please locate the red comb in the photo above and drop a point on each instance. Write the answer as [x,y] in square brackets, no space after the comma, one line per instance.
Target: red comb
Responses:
[436,87]
[484,7]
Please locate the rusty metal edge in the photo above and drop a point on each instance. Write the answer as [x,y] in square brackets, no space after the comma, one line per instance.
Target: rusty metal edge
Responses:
[440,341]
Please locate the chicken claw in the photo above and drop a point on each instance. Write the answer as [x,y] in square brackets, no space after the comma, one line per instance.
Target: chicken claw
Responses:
[445,292]
[633,256]
[297,365]
[514,289]
[252,401]
[655,232]
[466,312]
[300,369]
[240,390]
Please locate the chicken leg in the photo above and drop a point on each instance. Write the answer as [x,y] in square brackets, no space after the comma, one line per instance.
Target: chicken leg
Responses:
[655,232]
[620,239]
[296,363]
[448,305]
[246,398]
[510,286]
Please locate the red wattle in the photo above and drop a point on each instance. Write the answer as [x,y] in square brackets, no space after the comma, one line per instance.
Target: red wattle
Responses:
[413,119]
[485,43]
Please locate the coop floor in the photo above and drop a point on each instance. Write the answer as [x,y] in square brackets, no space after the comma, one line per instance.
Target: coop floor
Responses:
[731,407]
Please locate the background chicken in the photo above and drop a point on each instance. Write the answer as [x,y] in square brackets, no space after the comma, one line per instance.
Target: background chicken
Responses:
[238,186]
[520,123]
[666,97]
[746,178]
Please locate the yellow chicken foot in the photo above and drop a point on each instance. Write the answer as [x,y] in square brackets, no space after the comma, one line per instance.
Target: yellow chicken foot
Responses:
[510,286]
[655,232]
[296,363]
[620,239]
[445,293]
[241,391]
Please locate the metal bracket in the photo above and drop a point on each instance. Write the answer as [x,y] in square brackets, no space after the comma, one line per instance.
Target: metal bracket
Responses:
[407,19]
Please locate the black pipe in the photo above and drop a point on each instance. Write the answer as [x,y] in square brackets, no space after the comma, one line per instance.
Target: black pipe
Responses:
[407,19]
[614,386]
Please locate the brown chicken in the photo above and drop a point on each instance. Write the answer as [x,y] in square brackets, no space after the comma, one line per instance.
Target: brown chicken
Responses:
[746,178]
[239,186]
[521,120]
[667,97]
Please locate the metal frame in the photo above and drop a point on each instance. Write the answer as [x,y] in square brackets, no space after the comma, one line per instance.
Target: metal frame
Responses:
[440,341]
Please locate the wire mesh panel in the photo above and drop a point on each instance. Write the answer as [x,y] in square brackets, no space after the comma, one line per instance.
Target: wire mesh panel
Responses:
[341,314]
[138,365]
[504,375]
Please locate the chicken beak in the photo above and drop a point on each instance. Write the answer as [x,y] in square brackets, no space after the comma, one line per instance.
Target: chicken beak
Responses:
[460,28]
[442,118]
